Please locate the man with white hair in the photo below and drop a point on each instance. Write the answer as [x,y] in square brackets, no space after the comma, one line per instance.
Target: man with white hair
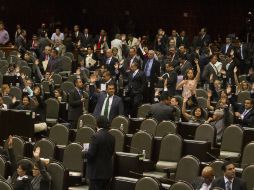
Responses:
[218,121]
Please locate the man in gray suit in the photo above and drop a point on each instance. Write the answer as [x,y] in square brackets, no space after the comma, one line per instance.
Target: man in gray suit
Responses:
[108,103]
[162,110]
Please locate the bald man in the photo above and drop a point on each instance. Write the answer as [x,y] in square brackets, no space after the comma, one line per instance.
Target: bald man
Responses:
[205,180]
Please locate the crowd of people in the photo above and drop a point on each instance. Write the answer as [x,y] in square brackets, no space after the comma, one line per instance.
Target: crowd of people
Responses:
[122,73]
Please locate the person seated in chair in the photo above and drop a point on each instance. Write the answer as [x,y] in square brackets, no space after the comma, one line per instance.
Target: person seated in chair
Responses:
[246,114]
[21,177]
[205,180]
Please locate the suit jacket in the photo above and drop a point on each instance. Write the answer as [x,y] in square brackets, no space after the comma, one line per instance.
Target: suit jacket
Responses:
[155,70]
[238,184]
[181,40]
[111,65]
[21,44]
[85,41]
[115,109]
[75,105]
[223,49]
[230,71]
[183,69]
[245,52]
[54,65]
[75,38]
[248,119]
[99,155]
[208,70]
[161,111]
[137,83]
[201,42]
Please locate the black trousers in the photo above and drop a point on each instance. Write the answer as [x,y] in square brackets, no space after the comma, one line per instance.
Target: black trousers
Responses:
[99,184]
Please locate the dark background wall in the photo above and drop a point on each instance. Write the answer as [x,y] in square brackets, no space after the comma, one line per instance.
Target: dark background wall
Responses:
[142,17]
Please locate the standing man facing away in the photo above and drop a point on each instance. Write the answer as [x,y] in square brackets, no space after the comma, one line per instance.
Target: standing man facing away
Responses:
[99,156]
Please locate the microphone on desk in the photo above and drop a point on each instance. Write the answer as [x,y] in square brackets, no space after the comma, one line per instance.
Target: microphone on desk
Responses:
[214,157]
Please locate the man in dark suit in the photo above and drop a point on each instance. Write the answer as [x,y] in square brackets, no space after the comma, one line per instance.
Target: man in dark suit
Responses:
[210,70]
[204,39]
[136,86]
[184,66]
[77,35]
[76,101]
[162,110]
[246,114]
[109,104]
[21,43]
[54,62]
[99,156]
[227,70]
[242,53]
[229,181]
[226,48]
[171,76]
[109,61]
[205,180]
[151,70]
[87,39]
[182,39]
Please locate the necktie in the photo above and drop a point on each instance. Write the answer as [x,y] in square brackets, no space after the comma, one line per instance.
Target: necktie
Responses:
[106,107]
[228,185]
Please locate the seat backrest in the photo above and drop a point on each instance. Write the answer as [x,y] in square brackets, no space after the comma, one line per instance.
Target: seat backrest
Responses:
[149,125]
[47,148]
[248,157]
[216,165]
[164,128]
[70,55]
[232,132]
[201,93]
[52,108]
[67,86]
[84,135]
[26,70]
[187,168]
[57,78]
[247,176]
[171,148]
[1,79]
[4,185]
[45,87]
[3,69]
[66,63]
[15,91]
[3,63]
[202,102]
[242,96]
[119,139]
[87,120]
[147,183]
[205,132]
[59,134]
[18,147]
[142,141]
[118,120]
[181,185]
[58,176]
[144,110]
[7,100]
[3,166]
[72,159]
